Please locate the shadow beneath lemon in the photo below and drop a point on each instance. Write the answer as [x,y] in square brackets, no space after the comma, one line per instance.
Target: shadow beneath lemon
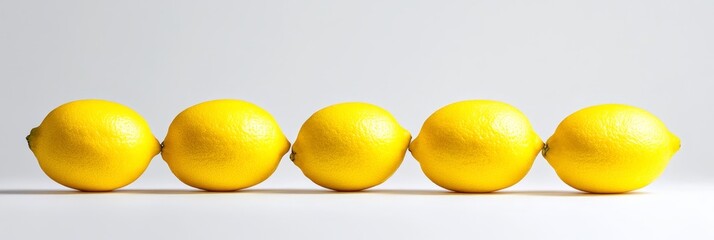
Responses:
[44,192]
[414,192]
[573,193]
[539,193]
[75,192]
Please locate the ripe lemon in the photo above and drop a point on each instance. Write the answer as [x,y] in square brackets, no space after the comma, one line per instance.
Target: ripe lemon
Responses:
[350,146]
[93,145]
[610,148]
[476,146]
[224,145]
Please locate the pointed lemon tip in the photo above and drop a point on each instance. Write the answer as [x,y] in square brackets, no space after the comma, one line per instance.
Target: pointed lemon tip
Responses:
[29,137]
[676,143]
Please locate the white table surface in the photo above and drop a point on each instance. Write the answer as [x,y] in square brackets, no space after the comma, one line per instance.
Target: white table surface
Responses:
[395,211]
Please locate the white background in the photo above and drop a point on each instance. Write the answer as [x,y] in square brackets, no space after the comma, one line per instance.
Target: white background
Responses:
[548,58]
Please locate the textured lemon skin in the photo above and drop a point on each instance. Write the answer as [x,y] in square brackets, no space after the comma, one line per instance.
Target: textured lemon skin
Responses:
[476,146]
[224,145]
[93,145]
[350,146]
[610,148]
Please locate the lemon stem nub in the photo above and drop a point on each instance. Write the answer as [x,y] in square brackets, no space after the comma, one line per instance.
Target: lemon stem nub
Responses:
[545,149]
[292,156]
[28,137]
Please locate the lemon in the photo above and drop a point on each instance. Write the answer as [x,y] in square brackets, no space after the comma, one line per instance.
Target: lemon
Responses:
[93,145]
[610,148]
[224,145]
[350,146]
[476,146]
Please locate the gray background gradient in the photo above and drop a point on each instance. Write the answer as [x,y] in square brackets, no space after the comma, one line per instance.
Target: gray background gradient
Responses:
[547,58]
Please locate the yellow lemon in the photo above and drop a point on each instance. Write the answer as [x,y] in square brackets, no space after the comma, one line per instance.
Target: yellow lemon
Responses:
[224,145]
[350,146]
[610,148]
[476,146]
[93,145]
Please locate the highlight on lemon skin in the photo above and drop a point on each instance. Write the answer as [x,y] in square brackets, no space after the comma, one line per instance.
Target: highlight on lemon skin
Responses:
[610,148]
[224,145]
[350,146]
[476,146]
[93,145]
